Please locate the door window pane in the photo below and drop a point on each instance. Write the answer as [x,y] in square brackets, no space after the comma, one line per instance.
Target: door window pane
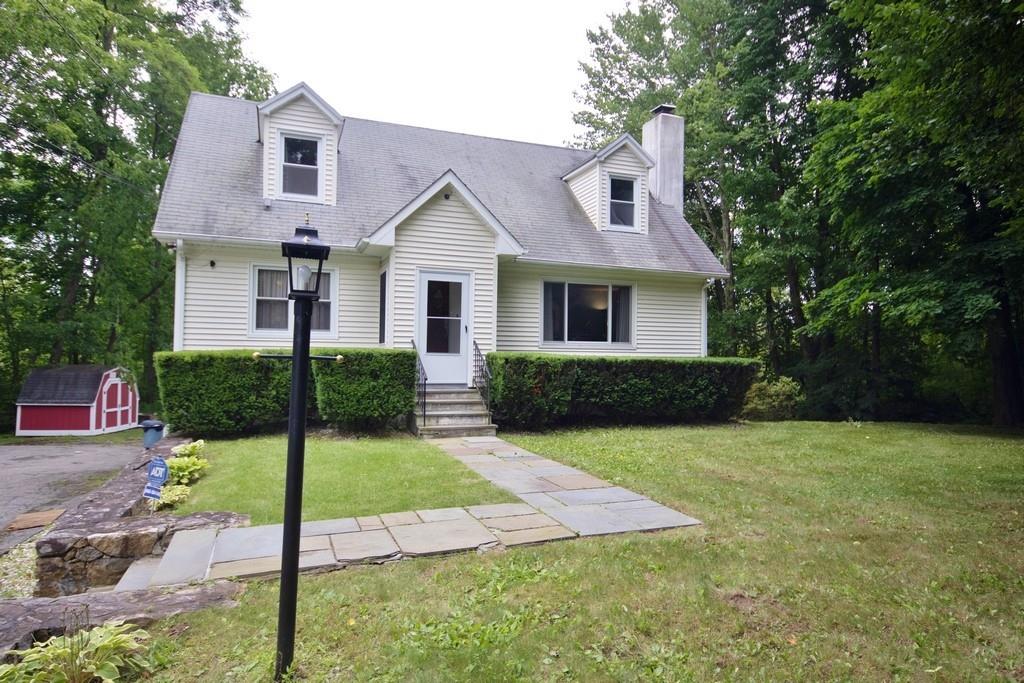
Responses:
[444,299]
[622,313]
[588,312]
[554,311]
[443,335]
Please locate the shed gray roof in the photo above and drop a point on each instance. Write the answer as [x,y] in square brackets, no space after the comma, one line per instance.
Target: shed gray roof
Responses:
[68,385]
[214,189]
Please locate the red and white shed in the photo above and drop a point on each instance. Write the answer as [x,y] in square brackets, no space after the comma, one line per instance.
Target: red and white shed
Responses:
[77,400]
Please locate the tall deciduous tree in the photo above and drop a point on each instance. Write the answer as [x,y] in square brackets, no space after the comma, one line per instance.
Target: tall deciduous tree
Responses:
[92,98]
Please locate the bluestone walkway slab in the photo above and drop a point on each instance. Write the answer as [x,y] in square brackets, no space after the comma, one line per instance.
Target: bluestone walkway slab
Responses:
[558,502]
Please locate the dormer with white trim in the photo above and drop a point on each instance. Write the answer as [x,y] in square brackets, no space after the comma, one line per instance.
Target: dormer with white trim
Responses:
[300,133]
[612,187]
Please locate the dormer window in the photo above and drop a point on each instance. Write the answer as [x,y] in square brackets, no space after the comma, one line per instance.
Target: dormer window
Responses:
[302,167]
[622,203]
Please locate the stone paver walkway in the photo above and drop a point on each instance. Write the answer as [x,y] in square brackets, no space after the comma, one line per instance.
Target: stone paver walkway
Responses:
[559,502]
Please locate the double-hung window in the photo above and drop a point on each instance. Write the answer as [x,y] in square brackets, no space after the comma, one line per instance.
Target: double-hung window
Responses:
[272,309]
[622,202]
[600,313]
[301,166]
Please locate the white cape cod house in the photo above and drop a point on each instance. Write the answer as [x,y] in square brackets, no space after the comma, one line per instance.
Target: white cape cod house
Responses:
[449,241]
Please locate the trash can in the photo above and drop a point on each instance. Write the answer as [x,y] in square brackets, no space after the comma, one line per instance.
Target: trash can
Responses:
[152,431]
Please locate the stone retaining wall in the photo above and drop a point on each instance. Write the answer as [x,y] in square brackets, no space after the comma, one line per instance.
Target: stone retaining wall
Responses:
[95,544]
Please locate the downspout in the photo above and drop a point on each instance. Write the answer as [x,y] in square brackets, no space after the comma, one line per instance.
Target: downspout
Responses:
[179,295]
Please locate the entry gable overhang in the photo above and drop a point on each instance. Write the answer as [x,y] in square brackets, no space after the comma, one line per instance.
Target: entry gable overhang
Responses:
[625,140]
[384,236]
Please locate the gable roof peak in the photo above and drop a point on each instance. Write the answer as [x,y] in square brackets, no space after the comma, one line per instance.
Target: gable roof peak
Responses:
[300,89]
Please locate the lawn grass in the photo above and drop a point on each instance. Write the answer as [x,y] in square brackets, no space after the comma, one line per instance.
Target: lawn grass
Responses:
[128,436]
[343,478]
[828,552]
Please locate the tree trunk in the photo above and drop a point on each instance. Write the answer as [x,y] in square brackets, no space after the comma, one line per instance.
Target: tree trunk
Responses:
[67,304]
[1007,382]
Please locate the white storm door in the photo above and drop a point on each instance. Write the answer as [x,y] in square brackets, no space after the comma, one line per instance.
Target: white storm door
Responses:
[442,326]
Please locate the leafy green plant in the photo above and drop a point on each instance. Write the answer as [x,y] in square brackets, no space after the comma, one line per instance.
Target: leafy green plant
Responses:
[114,651]
[186,469]
[171,496]
[368,388]
[773,400]
[192,448]
[534,390]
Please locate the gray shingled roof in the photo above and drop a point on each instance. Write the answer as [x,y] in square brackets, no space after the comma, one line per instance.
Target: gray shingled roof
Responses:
[68,385]
[214,189]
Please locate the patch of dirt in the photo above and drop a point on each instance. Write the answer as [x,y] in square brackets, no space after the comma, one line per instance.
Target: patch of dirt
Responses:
[742,602]
[1017,674]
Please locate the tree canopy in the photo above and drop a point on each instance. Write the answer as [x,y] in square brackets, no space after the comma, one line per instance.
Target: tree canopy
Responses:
[93,95]
[856,164]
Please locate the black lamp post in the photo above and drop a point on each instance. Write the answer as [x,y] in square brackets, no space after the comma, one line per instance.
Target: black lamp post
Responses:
[303,289]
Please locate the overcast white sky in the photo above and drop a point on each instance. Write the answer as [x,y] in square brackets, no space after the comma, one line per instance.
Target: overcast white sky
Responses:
[505,69]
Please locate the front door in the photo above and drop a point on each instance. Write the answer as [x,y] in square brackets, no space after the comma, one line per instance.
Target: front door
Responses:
[442,329]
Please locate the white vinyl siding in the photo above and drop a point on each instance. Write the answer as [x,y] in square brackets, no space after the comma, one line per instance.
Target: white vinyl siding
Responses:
[623,164]
[443,235]
[586,187]
[667,310]
[218,310]
[301,119]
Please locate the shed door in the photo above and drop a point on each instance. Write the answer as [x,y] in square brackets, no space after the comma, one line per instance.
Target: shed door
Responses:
[112,404]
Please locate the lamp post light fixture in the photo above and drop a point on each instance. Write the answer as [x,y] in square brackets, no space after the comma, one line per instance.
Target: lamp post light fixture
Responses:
[303,251]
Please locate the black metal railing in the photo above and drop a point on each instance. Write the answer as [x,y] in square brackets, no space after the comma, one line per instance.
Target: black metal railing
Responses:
[481,374]
[421,383]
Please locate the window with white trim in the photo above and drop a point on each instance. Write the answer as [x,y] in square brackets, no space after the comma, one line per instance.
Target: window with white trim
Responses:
[301,165]
[272,309]
[622,202]
[271,299]
[601,313]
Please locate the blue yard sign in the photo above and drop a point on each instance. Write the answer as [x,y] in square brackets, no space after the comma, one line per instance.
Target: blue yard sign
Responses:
[156,475]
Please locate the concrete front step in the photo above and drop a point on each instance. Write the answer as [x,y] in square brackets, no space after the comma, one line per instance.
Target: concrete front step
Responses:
[452,431]
[453,395]
[454,405]
[459,417]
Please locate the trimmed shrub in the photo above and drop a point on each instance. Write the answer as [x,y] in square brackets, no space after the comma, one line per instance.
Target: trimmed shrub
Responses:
[530,390]
[533,390]
[214,393]
[368,389]
[773,400]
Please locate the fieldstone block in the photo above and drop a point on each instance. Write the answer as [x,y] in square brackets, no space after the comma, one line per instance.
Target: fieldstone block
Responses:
[187,558]
[391,519]
[441,537]
[363,546]
[129,543]
[500,510]
[370,522]
[442,514]
[611,494]
[660,517]
[107,571]
[577,481]
[519,522]
[538,535]
[592,520]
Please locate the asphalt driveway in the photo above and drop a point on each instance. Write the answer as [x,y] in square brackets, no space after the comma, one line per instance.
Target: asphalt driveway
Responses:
[38,477]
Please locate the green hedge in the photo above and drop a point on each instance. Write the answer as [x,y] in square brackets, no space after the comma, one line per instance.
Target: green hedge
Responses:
[216,393]
[368,389]
[534,390]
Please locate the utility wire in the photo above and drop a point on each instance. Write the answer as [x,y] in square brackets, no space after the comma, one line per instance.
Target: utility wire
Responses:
[106,72]
[51,148]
